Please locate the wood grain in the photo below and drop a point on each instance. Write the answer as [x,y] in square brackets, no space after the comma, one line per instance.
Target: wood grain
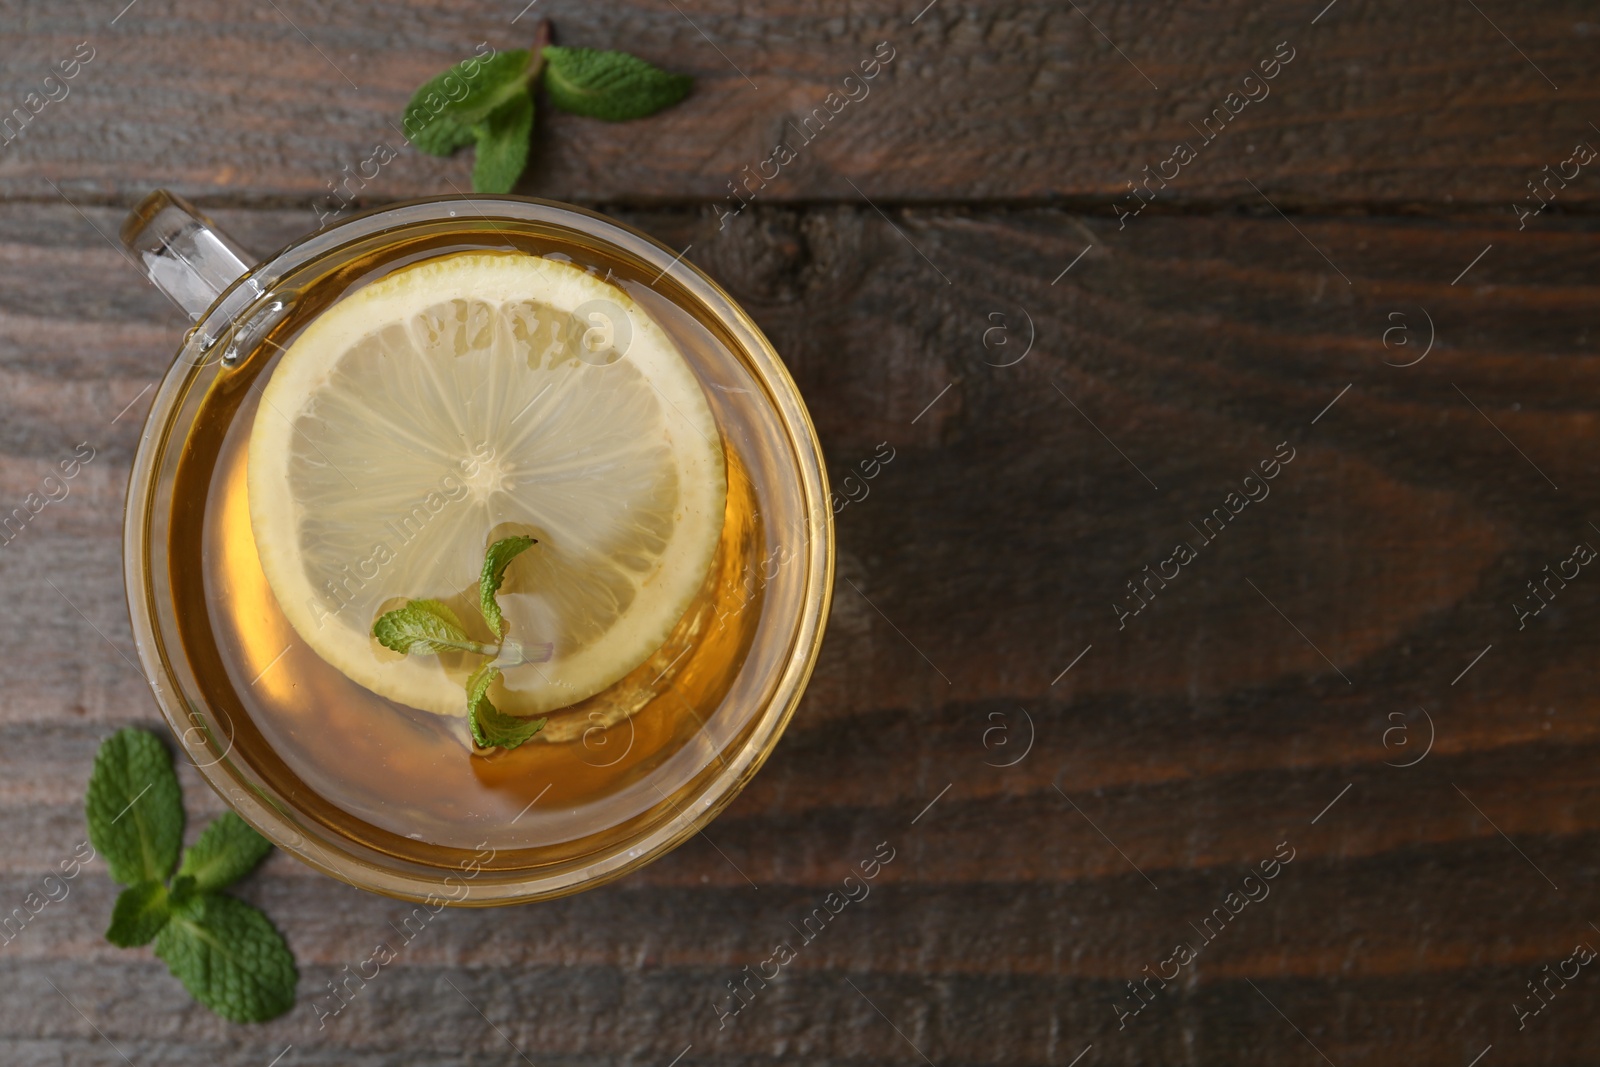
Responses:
[1426,107]
[1174,756]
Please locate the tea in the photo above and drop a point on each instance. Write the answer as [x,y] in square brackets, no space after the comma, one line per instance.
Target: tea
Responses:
[406,781]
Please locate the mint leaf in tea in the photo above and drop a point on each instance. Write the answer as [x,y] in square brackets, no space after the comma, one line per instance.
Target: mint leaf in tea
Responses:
[495,562]
[491,727]
[430,628]
[427,627]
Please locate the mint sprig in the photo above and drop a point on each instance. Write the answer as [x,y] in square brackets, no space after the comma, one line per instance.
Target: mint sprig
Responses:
[489,101]
[430,628]
[225,952]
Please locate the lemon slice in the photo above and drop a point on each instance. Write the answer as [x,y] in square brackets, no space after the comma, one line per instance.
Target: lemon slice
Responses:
[464,399]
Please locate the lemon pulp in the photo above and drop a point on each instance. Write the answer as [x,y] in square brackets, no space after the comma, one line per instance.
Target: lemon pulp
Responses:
[467,398]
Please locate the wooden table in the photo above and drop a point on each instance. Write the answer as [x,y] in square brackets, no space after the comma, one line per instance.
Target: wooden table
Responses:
[1340,674]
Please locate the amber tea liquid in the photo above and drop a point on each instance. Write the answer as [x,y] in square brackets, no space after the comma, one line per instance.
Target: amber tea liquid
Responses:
[406,781]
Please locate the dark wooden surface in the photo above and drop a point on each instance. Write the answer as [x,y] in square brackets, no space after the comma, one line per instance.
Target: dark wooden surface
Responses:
[1271,679]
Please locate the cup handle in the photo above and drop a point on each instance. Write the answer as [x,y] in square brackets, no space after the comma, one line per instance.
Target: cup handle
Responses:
[182,252]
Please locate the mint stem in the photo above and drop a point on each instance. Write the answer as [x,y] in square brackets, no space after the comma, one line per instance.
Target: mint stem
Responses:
[513,654]
[542,36]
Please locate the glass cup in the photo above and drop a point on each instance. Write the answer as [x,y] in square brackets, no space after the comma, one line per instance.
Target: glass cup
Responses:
[785,589]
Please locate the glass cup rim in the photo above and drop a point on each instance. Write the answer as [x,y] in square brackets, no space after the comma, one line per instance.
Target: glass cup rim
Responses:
[321,848]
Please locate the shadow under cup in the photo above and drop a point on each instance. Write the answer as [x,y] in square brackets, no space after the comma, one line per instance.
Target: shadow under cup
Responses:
[711,716]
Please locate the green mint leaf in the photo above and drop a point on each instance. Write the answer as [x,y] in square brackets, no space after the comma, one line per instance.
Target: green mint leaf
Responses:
[441,114]
[230,958]
[437,135]
[503,145]
[609,85]
[499,78]
[183,890]
[226,852]
[426,627]
[134,810]
[138,915]
[491,727]
[495,562]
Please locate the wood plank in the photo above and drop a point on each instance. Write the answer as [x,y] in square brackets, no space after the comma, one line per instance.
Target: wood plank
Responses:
[965,905]
[584,1016]
[1425,107]
[1196,738]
